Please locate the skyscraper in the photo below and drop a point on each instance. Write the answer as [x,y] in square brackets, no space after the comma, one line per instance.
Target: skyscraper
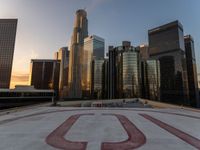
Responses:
[191,71]
[198,80]
[93,50]
[44,74]
[151,79]
[112,73]
[76,52]
[124,71]
[144,52]
[130,73]
[8,29]
[63,56]
[166,44]
[97,78]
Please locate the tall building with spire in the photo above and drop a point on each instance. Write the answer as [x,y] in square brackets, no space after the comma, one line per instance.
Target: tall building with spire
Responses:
[80,32]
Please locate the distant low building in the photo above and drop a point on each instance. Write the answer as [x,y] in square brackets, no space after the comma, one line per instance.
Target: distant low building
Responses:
[45,74]
[23,95]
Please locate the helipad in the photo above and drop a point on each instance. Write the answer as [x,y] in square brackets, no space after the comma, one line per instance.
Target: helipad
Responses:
[48,128]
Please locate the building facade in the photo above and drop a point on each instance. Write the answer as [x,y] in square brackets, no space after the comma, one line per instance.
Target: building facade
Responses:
[44,74]
[8,28]
[166,44]
[191,71]
[130,73]
[199,80]
[76,52]
[93,50]
[97,78]
[144,52]
[63,56]
[112,72]
[151,79]
[123,72]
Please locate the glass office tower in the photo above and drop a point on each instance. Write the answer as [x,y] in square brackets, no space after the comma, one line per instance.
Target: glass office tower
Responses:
[63,56]
[97,78]
[8,29]
[130,73]
[123,71]
[76,52]
[191,71]
[93,50]
[151,79]
[166,44]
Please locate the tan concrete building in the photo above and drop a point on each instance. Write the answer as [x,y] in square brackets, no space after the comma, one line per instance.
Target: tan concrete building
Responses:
[80,32]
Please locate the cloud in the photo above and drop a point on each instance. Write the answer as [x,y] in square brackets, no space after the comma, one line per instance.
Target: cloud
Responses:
[19,79]
[94,4]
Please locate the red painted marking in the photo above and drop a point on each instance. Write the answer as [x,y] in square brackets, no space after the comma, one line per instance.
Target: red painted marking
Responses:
[182,135]
[71,110]
[135,137]
[57,140]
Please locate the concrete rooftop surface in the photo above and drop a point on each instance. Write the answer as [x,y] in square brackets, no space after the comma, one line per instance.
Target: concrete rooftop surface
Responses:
[70,128]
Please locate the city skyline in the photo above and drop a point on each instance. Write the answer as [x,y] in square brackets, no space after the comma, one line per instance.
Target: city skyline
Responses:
[40,34]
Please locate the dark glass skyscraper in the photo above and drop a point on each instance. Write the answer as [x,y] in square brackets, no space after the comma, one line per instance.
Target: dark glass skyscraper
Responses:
[76,52]
[97,78]
[166,44]
[8,29]
[191,71]
[44,74]
[151,79]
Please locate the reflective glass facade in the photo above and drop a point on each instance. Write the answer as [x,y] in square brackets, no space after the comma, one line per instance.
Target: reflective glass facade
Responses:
[166,44]
[151,79]
[93,49]
[97,78]
[191,71]
[123,72]
[8,29]
[130,74]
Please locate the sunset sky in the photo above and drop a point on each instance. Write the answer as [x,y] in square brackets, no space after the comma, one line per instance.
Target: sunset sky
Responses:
[46,25]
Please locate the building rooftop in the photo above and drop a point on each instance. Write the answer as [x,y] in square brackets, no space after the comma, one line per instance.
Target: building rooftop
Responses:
[166,26]
[44,60]
[100,128]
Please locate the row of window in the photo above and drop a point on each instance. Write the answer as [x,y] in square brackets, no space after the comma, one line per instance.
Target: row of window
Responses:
[27,94]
